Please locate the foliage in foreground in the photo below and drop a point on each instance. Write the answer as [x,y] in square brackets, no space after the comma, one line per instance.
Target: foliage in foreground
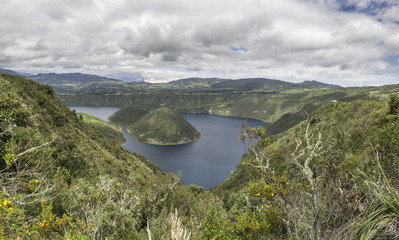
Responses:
[322,179]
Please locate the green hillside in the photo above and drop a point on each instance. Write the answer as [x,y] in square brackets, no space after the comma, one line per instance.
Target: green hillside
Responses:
[76,81]
[332,176]
[330,157]
[163,127]
[266,106]
[108,129]
[62,179]
[128,115]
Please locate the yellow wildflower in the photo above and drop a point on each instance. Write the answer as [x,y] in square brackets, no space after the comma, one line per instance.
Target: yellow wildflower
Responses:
[10,209]
[272,194]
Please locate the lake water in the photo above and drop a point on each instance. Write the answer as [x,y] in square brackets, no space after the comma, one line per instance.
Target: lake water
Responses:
[206,162]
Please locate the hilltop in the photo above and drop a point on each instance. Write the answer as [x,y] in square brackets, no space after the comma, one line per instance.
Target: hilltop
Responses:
[316,84]
[164,127]
[128,115]
[161,126]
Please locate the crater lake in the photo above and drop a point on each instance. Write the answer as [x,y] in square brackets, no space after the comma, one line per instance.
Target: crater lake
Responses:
[206,162]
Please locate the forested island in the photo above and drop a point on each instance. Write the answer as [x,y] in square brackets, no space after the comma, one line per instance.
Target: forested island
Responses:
[160,127]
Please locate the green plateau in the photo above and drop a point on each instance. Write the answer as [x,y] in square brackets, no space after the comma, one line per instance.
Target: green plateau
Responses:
[323,169]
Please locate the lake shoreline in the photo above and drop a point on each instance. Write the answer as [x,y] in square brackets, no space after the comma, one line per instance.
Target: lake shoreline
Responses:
[206,162]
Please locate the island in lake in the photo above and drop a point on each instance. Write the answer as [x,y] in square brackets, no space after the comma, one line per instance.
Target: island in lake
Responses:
[160,127]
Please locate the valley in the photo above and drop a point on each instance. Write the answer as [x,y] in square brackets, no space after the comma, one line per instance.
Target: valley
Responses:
[206,162]
[329,149]
[199,120]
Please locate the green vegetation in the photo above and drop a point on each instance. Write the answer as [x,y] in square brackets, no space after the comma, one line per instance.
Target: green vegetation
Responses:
[108,129]
[85,83]
[163,127]
[128,115]
[332,176]
[76,81]
[394,104]
[319,177]
[62,179]
[265,106]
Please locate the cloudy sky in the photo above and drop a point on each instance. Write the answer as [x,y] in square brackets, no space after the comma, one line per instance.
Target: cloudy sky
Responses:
[347,42]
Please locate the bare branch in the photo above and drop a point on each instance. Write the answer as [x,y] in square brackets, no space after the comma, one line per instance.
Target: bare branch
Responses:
[31,150]
[177,232]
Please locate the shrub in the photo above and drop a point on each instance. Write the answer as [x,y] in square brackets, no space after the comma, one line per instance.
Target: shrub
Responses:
[394,104]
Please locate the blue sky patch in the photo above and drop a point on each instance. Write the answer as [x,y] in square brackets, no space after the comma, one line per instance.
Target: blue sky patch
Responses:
[238,49]
[393,60]
[372,9]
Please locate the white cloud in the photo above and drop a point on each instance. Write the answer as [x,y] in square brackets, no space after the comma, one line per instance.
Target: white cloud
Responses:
[167,40]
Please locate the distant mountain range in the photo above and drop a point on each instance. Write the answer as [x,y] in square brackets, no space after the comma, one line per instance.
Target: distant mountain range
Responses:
[55,78]
[126,77]
[122,82]
[316,84]
[8,71]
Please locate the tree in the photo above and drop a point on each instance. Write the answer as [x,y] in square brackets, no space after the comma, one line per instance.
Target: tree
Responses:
[394,104]
[301,199]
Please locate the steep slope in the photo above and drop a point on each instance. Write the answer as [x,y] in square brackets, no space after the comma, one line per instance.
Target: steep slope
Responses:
[341,163]
[62,179]
[108,129]
[128,115]
[347,128]
[164,127]
[56,168]
[53,122]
